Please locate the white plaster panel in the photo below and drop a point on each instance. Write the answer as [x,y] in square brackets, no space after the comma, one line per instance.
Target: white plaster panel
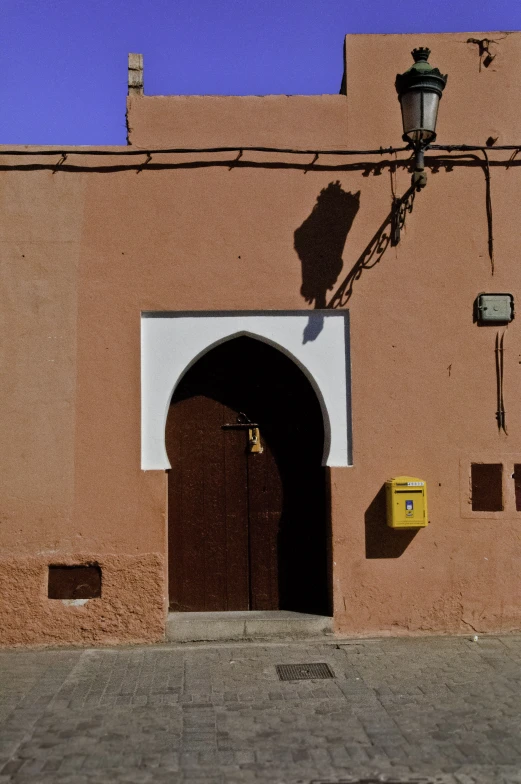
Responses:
[316,341]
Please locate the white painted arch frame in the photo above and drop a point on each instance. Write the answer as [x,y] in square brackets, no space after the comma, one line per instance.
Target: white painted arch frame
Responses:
[317,341]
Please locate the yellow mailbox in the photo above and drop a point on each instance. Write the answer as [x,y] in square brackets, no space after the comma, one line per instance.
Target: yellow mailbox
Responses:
[406,502]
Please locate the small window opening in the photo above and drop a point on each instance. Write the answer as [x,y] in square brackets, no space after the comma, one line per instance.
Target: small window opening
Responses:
[74,582]
[516,476]
[487,491]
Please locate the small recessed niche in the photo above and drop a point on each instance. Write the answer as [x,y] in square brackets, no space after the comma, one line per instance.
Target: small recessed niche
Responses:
[516,476]
[487,487]
[74,582]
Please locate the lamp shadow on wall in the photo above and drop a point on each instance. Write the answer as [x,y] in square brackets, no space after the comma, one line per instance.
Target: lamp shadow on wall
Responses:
[319,243]
[380,540]
[387,234]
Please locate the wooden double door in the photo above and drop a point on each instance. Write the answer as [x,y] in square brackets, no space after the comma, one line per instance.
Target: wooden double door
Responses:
[246,495]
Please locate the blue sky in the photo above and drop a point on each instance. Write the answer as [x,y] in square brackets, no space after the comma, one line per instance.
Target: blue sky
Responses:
[64,62]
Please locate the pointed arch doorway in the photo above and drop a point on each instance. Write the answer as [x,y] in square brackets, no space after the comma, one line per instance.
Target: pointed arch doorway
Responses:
[247,529]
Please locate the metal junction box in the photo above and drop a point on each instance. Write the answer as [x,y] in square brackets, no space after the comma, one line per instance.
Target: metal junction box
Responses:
[494,308]
[406,502]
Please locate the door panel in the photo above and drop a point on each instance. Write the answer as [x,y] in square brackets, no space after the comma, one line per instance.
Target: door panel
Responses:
[236,492]
[185,504]
[207,498]
[265,510]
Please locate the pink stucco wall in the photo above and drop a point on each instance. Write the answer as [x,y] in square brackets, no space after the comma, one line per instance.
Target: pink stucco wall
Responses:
[87,247]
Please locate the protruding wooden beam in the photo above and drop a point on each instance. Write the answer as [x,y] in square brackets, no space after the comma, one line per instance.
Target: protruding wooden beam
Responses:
[135,74]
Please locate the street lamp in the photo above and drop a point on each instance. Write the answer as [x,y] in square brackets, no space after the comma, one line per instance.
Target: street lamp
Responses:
[419,91]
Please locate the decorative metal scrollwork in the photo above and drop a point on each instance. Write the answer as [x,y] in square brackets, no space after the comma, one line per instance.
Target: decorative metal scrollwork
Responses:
[387,234]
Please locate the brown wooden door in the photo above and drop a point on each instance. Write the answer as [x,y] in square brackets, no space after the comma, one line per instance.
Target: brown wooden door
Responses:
[224,509]
[246,530]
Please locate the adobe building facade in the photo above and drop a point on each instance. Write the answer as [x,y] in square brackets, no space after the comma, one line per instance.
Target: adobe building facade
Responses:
[213,360]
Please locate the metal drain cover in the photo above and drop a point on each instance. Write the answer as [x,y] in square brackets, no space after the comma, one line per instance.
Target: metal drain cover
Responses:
[303,672]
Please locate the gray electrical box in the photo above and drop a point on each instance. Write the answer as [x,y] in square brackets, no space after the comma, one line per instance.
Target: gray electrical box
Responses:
[494,308]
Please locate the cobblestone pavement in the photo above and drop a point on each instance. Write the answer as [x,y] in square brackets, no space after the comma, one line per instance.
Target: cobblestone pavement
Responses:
[441,710]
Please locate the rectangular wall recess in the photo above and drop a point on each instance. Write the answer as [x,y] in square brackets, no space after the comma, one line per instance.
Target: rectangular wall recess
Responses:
[486,487]
[516,476]
[74,582]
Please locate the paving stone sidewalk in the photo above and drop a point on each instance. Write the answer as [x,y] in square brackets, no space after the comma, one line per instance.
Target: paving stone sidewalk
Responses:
[439,709]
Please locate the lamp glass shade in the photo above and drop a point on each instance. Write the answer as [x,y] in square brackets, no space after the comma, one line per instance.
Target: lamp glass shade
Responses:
[419,115]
